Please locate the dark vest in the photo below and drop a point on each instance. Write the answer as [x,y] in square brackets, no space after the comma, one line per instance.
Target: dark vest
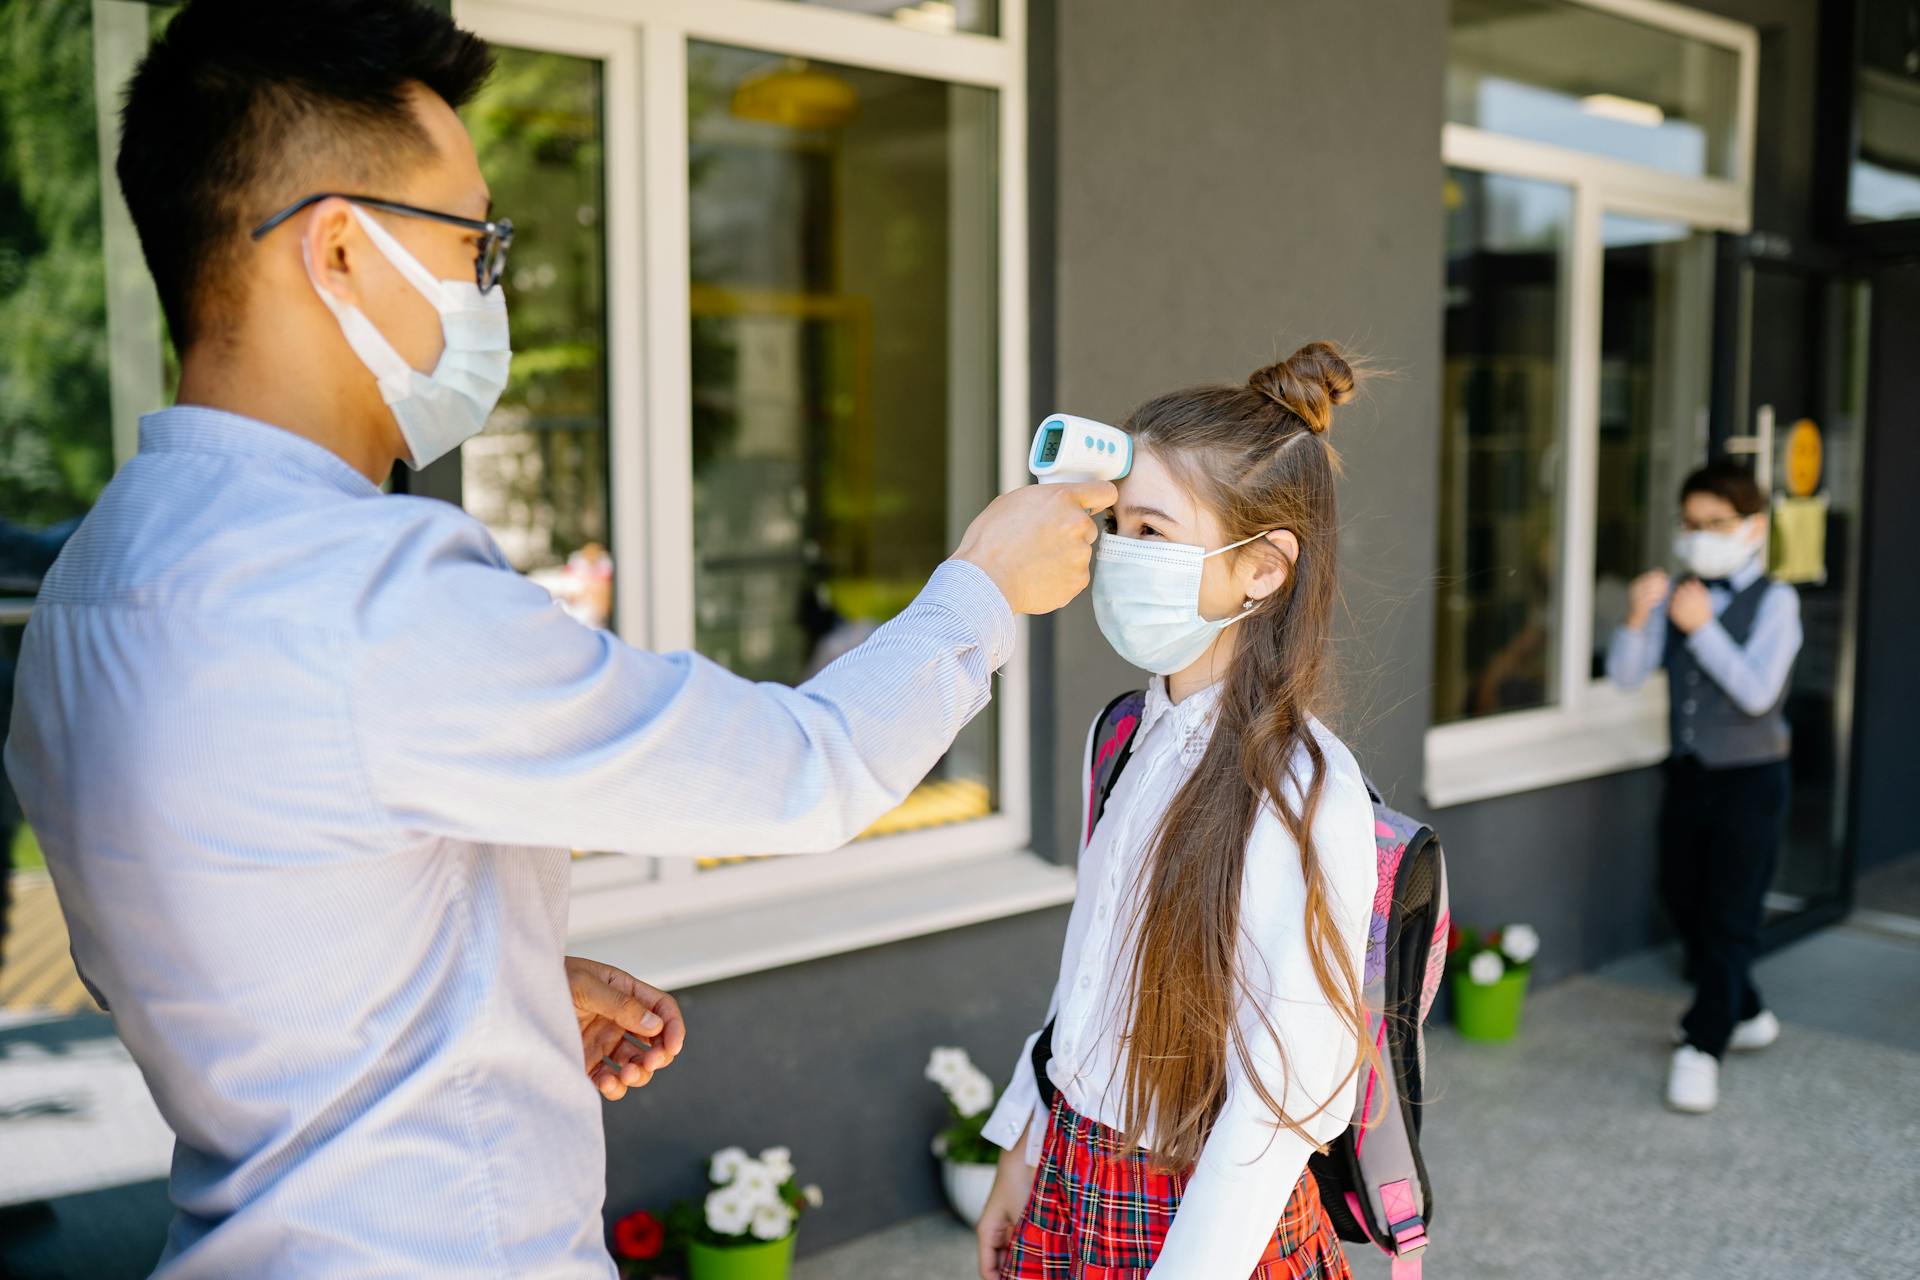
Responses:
[1702,719]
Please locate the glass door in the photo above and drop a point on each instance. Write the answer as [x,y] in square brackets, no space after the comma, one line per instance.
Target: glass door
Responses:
[1804,378]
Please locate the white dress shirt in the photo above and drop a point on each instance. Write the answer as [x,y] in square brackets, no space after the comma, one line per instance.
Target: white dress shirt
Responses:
[1249,1165]
[306,762]
[1752,674]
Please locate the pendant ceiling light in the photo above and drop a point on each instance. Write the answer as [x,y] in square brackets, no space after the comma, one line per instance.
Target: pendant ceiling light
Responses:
[797,96]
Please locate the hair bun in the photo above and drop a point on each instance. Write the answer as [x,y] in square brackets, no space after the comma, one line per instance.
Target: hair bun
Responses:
[1308,383]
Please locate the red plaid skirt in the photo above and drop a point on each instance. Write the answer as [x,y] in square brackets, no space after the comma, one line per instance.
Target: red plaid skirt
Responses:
[1100,1213]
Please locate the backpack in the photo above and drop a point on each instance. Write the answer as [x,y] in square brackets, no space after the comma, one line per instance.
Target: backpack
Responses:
[1373,1182]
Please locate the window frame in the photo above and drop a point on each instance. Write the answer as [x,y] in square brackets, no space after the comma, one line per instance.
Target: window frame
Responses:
[1591,728]
[643,45]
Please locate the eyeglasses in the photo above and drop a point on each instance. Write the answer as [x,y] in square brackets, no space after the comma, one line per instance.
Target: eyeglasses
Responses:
[496,235]
[1718,524]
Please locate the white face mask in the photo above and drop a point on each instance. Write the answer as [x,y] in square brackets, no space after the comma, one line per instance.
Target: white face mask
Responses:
[1715,555]
[436,411]
[1146,598]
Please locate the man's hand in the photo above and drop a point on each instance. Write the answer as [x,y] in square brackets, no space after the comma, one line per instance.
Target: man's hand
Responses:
[1691,607]
[1036,543]
[612,1006]
[1006,1205]
[1644,593]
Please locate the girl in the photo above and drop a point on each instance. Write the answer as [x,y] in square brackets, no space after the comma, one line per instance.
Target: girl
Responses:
[1208,1016]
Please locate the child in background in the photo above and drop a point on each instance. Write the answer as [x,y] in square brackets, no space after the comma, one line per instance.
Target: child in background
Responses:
[1727,635]
[1208,1017]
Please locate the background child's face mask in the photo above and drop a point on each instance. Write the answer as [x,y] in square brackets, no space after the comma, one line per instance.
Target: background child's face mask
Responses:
[1711,554]
[1146,598]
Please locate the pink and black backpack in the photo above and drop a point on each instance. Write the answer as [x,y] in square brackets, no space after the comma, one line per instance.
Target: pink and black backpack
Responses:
[1372,1180]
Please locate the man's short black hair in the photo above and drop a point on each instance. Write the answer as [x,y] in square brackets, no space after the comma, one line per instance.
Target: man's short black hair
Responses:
[241,108]
[1730,481]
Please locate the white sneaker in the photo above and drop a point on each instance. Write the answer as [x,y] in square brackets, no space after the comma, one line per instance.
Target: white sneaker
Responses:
[1693,1081]
[1757,1032]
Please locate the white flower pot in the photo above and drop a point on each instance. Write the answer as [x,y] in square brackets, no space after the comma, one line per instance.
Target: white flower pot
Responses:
[967,1188]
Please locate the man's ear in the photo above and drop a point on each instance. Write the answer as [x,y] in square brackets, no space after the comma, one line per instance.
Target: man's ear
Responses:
[331,243]
[1276,564]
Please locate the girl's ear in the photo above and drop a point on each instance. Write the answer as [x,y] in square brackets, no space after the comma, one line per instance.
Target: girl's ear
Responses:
[1275,567]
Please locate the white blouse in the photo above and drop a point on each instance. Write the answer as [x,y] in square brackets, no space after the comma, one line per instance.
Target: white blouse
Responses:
[1249,1165]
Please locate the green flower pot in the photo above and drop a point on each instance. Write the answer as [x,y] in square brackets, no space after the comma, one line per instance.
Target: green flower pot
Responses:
[1490,1013]
[760,1260]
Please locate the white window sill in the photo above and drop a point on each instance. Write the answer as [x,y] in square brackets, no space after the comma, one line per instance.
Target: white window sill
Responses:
[1610,732]
[691,949]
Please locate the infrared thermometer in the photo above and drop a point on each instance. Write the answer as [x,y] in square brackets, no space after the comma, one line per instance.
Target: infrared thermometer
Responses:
[1067,449]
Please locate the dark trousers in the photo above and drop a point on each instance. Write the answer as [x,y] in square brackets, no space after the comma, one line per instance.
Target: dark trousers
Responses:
[1720,834]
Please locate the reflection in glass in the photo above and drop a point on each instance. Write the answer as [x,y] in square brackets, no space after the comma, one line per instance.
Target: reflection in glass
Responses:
[1572,75]
[843,363]
[940,17]
[1501,445]
[1886,168]
[1656,329]
[56,404]
[538,475]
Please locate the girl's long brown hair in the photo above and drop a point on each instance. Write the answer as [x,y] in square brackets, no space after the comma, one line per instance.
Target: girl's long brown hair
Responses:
[1258,456]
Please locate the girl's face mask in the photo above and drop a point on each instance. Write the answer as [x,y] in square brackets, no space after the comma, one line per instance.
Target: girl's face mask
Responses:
[1146,598]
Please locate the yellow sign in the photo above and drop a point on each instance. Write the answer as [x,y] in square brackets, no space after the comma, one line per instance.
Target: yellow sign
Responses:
[1803,459]
[1800,538]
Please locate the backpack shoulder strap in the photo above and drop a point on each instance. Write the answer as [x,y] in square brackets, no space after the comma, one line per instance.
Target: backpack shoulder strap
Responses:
[1109,747]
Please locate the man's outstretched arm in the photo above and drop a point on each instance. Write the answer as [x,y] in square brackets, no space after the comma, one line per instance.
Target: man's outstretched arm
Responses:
[485,713]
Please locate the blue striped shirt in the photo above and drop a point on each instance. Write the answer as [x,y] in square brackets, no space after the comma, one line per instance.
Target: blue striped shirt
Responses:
[306,761]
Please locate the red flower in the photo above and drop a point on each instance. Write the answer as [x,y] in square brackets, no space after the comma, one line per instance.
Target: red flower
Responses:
[1455,936]
[638,1235]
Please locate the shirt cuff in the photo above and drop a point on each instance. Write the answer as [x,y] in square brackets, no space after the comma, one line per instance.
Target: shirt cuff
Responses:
[1017,1104]
[965,590]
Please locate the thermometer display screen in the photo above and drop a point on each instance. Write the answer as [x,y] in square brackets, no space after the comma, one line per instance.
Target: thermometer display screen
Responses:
[1050,447]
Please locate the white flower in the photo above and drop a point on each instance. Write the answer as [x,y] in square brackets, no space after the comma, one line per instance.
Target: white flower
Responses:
[728,1212]
[756,1184]
[972,1093]
[1520,943]
[725,1165]
[779,1163]
[1485,968]
[946,1065]
[940,1146]
[815,1197]
[772,1221]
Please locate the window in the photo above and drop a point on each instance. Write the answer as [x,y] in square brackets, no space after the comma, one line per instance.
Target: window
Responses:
[1885,182]
[769,364]
[1577,334]
[1503,432]
[842,364]
[538,476]
[1591,80]
[83,352]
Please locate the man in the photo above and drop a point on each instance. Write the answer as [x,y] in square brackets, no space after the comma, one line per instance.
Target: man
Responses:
[1727,635]
[306,759]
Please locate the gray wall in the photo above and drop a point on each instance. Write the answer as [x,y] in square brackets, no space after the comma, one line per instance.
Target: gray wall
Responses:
[827,1058]
[1232,183]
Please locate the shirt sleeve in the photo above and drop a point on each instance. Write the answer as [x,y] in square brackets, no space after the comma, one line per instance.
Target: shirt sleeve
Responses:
[1636,652]
[1249,1166]
[1753,674]
[485,713]
[1019,1110]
